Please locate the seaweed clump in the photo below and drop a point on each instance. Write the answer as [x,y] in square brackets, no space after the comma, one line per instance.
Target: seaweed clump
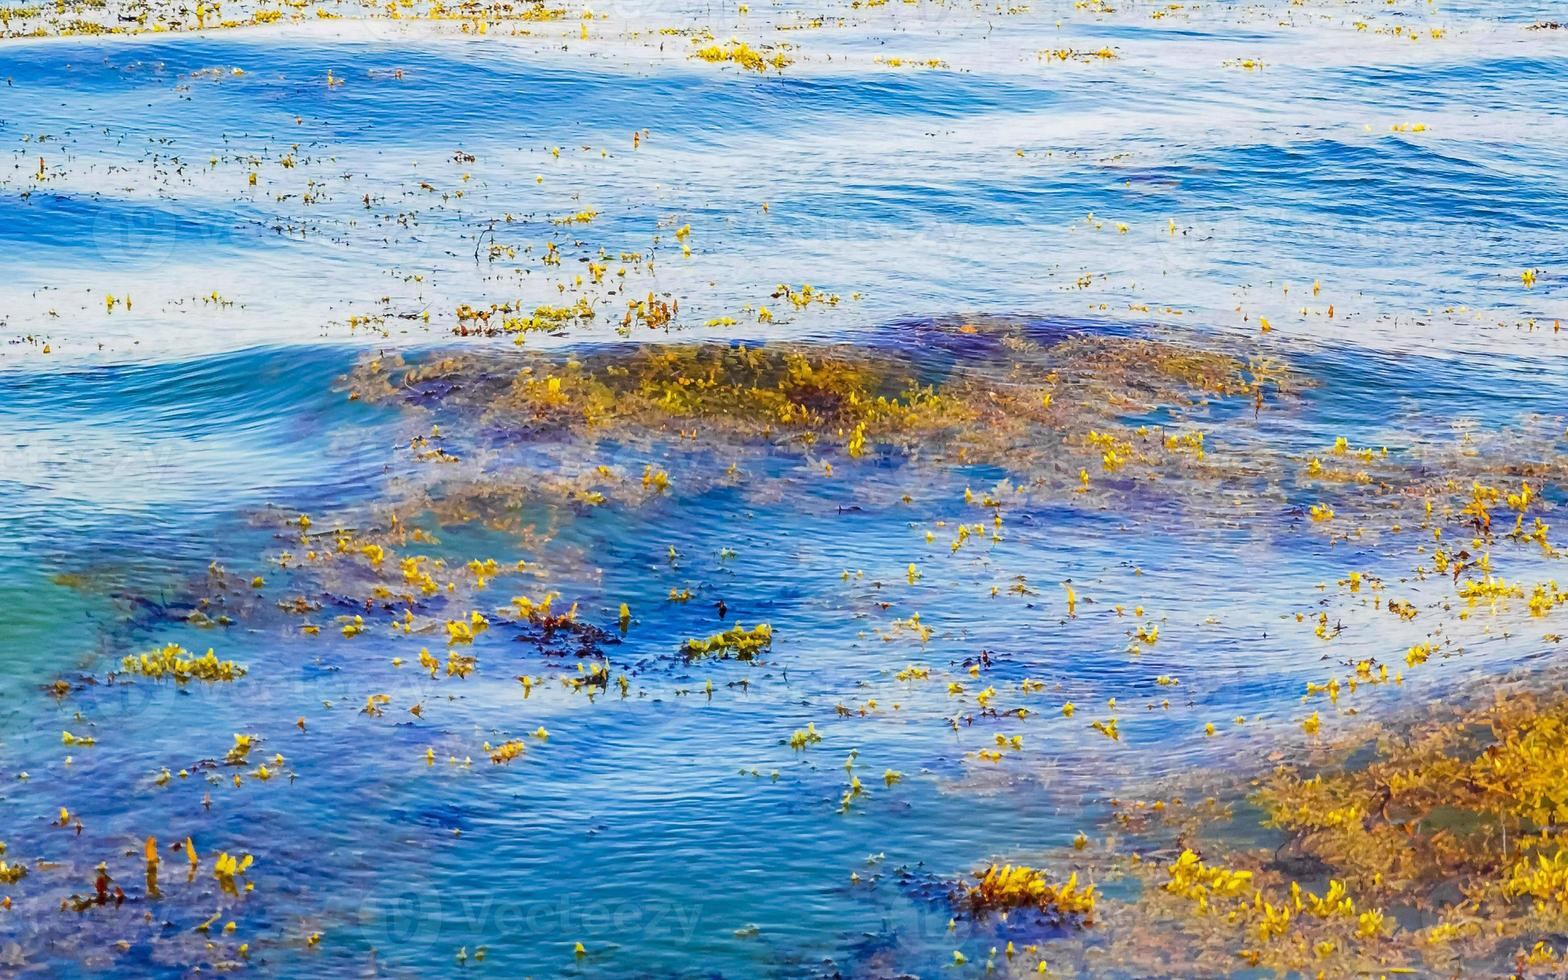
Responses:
[174,662]
[737,642]
[1464,823]
[1043,410]
[1440,846]
[1002,889]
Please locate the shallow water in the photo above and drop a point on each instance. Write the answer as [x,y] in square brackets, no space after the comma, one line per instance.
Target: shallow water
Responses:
[672,829]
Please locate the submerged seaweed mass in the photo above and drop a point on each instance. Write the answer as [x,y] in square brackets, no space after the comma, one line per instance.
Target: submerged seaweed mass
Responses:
[857,489]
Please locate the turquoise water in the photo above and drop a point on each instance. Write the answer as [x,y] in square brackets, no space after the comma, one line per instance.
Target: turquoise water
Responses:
[671,829]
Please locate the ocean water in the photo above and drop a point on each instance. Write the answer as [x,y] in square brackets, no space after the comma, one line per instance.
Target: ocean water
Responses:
[403,169]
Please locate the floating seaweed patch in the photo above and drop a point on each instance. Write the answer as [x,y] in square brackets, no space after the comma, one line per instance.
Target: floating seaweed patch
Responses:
[736,642]
[1009,887]
[174,662]
[1432,847]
